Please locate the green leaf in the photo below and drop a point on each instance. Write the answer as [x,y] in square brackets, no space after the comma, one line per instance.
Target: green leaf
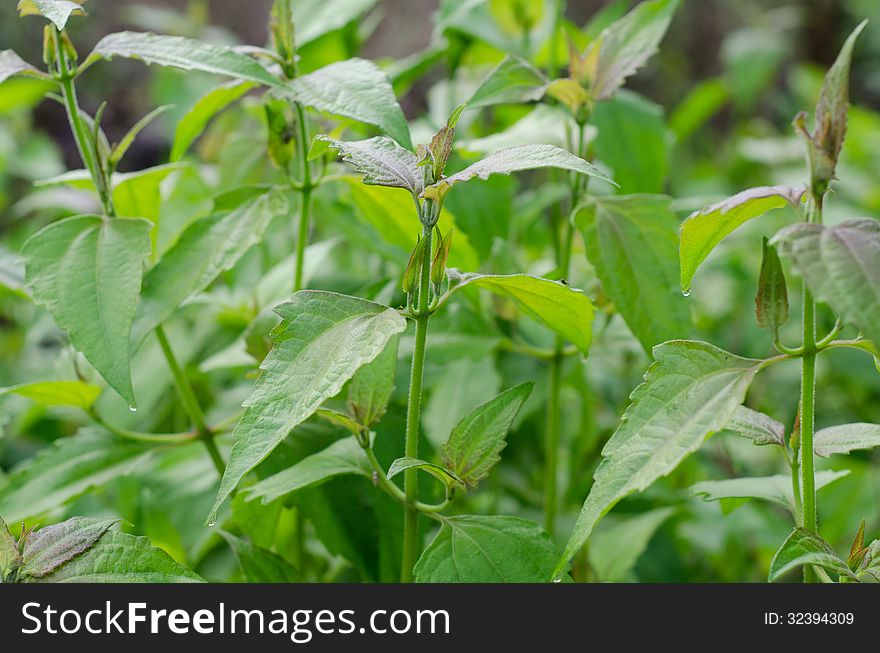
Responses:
[340,419]
[202,112]
[57,11]
[804,547]
[323,339]
[845,438]
[517,159]
[442,474]
[315,18]
[771,302]
[65,470]
[184,54]
[490,549]
[48,548]
[122,558]
[704,229]
[344,456]
[382,162]
[86,271]
[615,549]
[631,241]
[372,385]
[259,565]
[120,149]
[761,429]
[841,266]
[208,247]
[776,489]
[870,563]
[356,89]
[690,392]
[513,81]
[476,441]
[557,306]
[11,65]
[10,559]
[57,393]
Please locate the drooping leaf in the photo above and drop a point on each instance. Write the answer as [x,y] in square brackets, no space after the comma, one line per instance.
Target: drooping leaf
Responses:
[208,247]
[475,444]
[259,565]
[57,393]
[371,387]
[344,456]
[487,549]
[841,266]
[804,547]
[11,64]
[382,162]
[323,339]
[50,547]
[704,229]
[771,301]
[185,54]
[57,11]
[441,473]
[776,489]
[87,272]
[557,306]
[122,558]
[356,89]
[690,392]
[315,18]
[202,112]
[513,81]
[615,549]
[758,427]
[631,240]
[845,438]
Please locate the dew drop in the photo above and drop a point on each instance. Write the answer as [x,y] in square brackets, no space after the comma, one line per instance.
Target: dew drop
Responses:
[212,521]
[686,293]
[557,579]
[133,409]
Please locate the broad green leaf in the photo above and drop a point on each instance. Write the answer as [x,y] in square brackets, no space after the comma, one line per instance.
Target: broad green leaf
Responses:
[442,474]
[259,565]
[356,89]
[57,393]
[86,271]
[841,266]
[690,392]
[11,64]
[771,301]
[490,549]
[208,247]
[704,229]
[371,387]
[513,81]
[323,339]
[475,444]
[804,547]
[122,558]
[758,427]
[10,559]
[776,489]
[517,159]
[202,112]
[48,548]
[631,240]
[315,18]
[382,162]
[845,438]
[185,54]
[344,456]
[65,470]
[557,306]
[615,549]
[57,11]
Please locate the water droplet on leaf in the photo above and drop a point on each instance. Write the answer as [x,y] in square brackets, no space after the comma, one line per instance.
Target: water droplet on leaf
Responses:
[133,409]
[686,292]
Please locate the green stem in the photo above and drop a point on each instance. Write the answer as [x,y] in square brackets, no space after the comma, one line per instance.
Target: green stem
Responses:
[796,489]
[138,436]
[305,195]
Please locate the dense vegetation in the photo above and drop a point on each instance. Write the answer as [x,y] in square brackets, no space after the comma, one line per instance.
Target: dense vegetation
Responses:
[321,338]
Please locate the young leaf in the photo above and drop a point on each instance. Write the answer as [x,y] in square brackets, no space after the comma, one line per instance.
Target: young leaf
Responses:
[804,547]
[57,393]
[340,419]
[845,438]
[490,549]
[48,548]
[121,558]
[758,427]
[202,112]
[208,247]
[771,301]
[57,11]
[441,143]
[565,310]
[323,339]
[11,64]
[371,387]
[513,81]
[315,18]
[631,241]
[259,565]
[442,474]
[10,558]
[382,162]
[185,54]
[476,441]
[356,89]
[690,392]
[704,229]
[87,272]
[615,550]
[344,456]
[776,489]
[841,266]
[122,147]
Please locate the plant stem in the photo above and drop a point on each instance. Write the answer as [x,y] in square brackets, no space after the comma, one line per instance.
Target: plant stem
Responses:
[794,464]
[305,195]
